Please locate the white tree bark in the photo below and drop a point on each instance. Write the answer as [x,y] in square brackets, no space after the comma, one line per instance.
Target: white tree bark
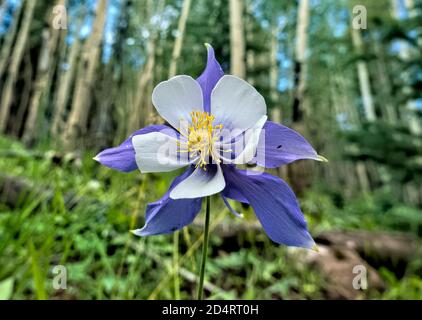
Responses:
[363,75]
[139,113]
[177,49]
[275,69]
[3,8]
[8,40]
[237,39]
[51,39]
[16,58]
[300,60]
[65,82]
[78,118]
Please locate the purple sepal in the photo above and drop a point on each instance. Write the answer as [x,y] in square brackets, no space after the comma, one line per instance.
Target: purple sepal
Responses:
[274,203]
[282,145]
[122,158]
[209,77]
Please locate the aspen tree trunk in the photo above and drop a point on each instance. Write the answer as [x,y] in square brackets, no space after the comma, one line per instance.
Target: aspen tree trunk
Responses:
[363,75]
[65,82]
[3,8]
[361,178]
[343,102]
[250,54]
[178,42]
[149,108]
[300,67]
[16,58]
[105,95]
[362,174]
[237,39]
[336,175]
[40,83]
[368,104]
[159,70]
[299,173]
[51,39]
[138,114]
[78,118]
[384,88]
[277,112]
[405,53]
[344,86]
[8,40]
[274,71]
[18,121]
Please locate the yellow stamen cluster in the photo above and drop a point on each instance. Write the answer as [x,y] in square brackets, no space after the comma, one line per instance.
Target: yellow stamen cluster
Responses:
[201,136]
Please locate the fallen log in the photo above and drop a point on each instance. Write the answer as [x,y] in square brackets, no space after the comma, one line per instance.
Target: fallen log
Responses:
[339,267]
[378,245]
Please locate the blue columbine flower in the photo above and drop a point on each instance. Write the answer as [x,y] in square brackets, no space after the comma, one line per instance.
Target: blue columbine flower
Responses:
[215,123]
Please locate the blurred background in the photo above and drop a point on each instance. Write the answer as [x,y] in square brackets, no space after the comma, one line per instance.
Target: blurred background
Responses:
[77,76]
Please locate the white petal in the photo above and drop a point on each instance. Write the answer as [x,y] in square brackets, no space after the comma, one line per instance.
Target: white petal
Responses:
[244,148]
[175,98]
[200,184]
[236,104]
[251,139]
[158,152]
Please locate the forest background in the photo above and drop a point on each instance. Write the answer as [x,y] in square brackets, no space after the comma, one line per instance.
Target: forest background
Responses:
[77,76]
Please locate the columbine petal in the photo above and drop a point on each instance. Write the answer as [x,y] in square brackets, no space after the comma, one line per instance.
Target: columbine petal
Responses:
[243,149]
[209,77]
[236,104]
[167,215]
[122,158]
[282,145]
[233,193]
[274,204]
[175,98]
[158,152]
[200,183]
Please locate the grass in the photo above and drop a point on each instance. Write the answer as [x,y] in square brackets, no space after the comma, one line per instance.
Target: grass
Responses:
[82,219]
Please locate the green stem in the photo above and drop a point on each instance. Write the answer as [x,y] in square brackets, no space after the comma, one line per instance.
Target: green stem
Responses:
[176,265]
[204,250]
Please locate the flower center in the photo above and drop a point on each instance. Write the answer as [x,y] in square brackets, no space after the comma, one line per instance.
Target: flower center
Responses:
[202,135]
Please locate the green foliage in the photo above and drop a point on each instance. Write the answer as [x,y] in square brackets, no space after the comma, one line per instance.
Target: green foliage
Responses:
[88,233]
[410,287]
[390,146]
[380,210]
